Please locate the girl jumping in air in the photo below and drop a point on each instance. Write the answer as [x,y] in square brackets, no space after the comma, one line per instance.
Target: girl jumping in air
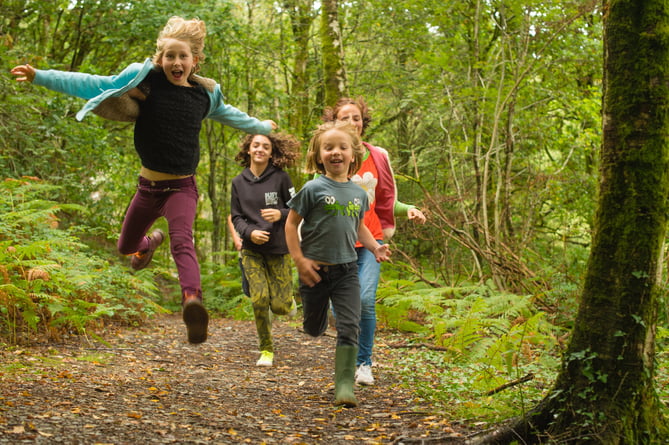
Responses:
[168,102]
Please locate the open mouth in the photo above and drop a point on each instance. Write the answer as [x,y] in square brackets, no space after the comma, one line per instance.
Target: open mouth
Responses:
[177,74]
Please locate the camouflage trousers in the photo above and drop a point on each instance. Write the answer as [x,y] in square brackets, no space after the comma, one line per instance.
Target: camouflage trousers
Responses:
[271,290]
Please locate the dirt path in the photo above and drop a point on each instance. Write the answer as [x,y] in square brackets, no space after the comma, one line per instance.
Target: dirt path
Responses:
[149,386]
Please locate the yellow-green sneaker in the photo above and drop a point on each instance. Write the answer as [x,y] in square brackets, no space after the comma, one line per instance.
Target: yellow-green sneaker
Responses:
[293,309]
[266,358]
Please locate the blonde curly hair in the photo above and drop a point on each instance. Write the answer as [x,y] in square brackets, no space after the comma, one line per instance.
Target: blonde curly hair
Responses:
[314,162]
[191,31]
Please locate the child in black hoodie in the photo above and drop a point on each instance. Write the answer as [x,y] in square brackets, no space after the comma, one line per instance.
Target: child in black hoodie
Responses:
[258,209]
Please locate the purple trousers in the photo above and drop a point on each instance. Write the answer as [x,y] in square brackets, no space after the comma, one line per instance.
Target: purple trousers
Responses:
[176,200]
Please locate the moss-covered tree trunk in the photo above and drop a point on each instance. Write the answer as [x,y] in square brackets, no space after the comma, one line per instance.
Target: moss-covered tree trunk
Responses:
[300,19]
[605,391]
[334,74]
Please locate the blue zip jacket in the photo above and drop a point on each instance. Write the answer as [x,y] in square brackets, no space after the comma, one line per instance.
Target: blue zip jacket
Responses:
[106,96]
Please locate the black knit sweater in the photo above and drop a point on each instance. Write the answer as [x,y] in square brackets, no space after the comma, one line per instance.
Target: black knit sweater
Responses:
[167,131]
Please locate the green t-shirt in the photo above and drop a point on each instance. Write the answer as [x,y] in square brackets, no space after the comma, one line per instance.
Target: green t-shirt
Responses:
[332,212]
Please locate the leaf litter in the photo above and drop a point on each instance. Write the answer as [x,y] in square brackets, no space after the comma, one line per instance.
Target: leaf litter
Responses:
[148,385]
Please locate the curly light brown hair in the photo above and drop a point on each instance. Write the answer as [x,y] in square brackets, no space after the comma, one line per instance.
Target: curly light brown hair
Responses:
[314,163]
[330,113]
[191,31]
[285,150]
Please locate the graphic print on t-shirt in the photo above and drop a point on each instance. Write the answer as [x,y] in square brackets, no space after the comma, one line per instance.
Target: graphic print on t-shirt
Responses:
[334,208]
[368,183]
[271,198]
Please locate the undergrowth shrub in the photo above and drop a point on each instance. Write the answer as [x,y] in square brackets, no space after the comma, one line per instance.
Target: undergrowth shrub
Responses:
[50,282]
[222,290]
[468,342]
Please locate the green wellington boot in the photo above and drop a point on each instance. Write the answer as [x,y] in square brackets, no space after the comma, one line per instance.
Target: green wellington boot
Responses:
[345,357]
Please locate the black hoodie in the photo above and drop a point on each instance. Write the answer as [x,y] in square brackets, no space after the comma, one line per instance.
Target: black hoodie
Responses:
[273,189]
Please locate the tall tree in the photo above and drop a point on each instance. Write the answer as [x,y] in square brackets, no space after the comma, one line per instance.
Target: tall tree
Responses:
[301,18]
[334,74]
[215,138]
[605,390]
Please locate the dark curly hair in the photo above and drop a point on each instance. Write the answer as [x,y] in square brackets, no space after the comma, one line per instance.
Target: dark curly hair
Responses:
[330,113]
[285,150]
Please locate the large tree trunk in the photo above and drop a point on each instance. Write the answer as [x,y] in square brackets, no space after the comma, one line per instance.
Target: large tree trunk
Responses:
[605,391]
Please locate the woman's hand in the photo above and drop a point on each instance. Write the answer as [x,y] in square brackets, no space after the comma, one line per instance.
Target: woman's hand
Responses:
[415,214]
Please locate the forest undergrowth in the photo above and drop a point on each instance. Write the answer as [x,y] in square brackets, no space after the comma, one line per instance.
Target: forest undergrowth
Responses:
[477,355]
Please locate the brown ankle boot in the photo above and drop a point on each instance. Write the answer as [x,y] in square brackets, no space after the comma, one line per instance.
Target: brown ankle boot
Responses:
[196,318]
[142,259]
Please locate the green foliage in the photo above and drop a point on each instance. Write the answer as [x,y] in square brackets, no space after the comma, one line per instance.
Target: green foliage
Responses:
[662,367]
[474,323]
[498,147]
[223,290]
[443,103]
[52,283]
[484,339]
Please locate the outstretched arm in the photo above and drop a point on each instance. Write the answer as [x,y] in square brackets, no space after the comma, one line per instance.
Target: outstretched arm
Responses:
[410,211]
[83,85]
[235,118]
